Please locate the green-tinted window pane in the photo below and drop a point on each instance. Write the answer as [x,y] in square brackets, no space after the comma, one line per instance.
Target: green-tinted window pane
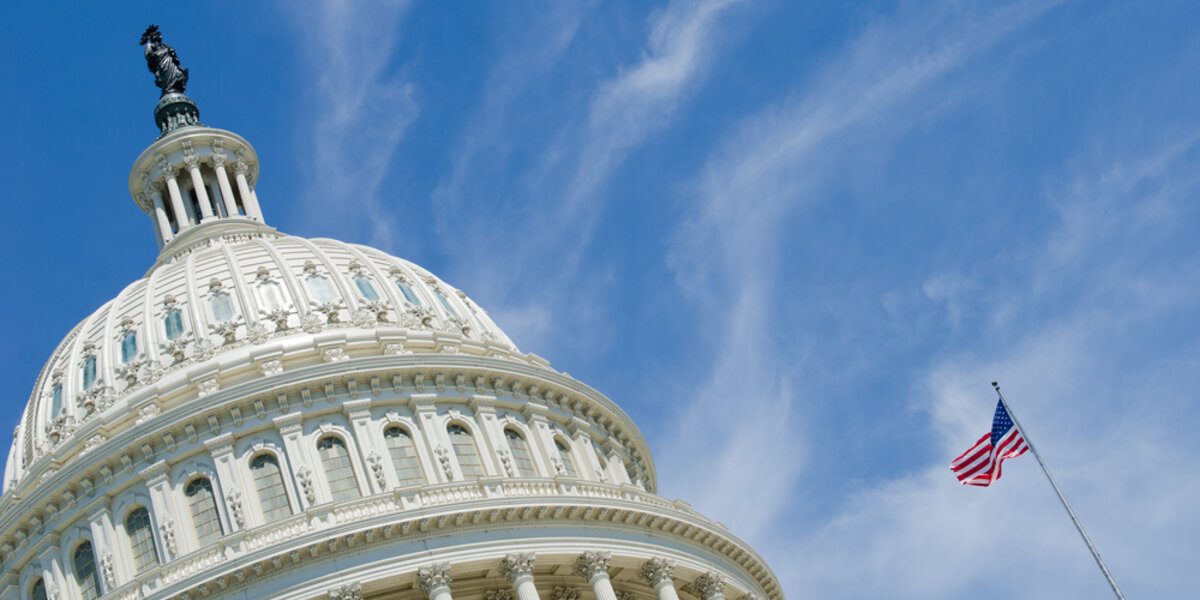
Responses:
[38,591]
[129,346]
[173,323]
[141,538]
[366,289]
[85,572]
[446,303]
[269,482]
[204,510]
[338,471]
[408,293]
[89,372]
[404,456]
[56,400]
[564,455]
[520,453]
[320,288]
[464,450]
[222,307]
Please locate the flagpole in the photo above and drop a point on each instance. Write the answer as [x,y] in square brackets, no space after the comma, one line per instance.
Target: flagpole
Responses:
[1095,553]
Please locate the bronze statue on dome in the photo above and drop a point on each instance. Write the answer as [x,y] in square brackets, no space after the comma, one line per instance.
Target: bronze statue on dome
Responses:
[169,76]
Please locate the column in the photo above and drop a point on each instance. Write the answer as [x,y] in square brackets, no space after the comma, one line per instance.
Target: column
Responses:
[183,212]
[102,545]
[155,477]
[710,586]
[290,429]
[518,568]
[223,183]
[192,162]
[658,572]
[248,198]
[425,414]
[229,482]
[160,215]
[359,413]
[594,567]
[435,581]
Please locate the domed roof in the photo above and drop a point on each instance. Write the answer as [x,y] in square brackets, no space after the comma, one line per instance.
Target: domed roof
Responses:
[234,300]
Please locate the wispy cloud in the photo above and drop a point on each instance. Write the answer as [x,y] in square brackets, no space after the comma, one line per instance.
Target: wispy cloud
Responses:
[363,106]
[1104,416]
[554,212]
[743,428]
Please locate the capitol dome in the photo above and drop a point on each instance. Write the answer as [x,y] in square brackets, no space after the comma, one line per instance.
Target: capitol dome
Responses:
[268,416]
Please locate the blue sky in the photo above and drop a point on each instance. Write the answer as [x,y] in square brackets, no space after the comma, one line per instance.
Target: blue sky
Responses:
[795,241]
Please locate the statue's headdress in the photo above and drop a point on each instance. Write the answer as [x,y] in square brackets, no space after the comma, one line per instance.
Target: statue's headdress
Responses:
[150,33]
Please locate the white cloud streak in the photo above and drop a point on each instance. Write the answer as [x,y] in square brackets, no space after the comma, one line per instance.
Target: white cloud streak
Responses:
[363,107]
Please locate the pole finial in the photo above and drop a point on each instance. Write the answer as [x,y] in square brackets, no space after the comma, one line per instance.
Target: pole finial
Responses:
[996,385]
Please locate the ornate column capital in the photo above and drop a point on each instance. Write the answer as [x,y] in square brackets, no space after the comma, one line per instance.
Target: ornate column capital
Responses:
[658,571]
[709,586]
[517,565]
[433,577]
[349,591]
[592,564]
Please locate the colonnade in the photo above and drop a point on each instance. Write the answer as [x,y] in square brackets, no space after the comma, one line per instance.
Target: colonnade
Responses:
[517,568]
[224,205]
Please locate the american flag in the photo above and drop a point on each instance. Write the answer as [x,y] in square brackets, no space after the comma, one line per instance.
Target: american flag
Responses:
[981,464]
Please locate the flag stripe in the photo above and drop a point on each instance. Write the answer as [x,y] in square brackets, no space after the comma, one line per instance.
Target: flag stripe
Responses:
[981,464]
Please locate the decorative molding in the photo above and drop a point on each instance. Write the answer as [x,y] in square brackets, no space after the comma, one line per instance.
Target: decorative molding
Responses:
[657,571]
[517,565]
[434,577]
[709,586]
[234,498]
[349,591]
[304,475]
[166,526]
[565,593]
[500,594]
[376,463]
[592,564]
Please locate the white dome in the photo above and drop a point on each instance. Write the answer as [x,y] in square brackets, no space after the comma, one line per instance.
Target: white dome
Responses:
[231,302]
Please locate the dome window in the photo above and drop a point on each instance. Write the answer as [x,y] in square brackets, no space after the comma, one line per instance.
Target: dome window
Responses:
[445,303]
[338,471]
[464,450]
[203,506]
[56,400]
[173,323]
[141,540]
[86,576]
[269,483]
[320,289]
[408,293]
[270,295]
[520,452]
[89,371]
[38,591]
[564,455]
[404,456]
[366,289]
[129,346]
[222,307]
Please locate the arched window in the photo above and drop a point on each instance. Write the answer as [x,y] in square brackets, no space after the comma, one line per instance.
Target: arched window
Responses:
[173,323]
[445,303]
[56,400]
[129,346]
[38,590]
[270,295]
[408,293]
[319,286]
[366,289]
[520,453]
[338,471]
[269,482]
[222,307]
[141,538]
[89,371]
[85,572]
[564,454]
[203,502]
[404,456]
[464,450]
